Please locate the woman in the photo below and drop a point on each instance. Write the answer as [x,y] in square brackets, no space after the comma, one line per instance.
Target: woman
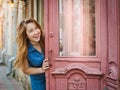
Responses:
[30,53]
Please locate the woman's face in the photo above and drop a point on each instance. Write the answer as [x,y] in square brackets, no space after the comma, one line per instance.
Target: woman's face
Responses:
[33,33]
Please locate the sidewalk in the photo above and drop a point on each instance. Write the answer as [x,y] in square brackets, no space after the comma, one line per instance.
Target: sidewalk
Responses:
[8,83]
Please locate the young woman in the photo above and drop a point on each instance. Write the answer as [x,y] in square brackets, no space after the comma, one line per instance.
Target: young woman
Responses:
[30,53]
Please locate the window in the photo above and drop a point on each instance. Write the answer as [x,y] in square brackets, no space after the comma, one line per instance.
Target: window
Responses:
[77,28]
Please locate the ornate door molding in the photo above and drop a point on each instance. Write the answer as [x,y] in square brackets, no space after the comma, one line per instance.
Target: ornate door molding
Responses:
[113,45]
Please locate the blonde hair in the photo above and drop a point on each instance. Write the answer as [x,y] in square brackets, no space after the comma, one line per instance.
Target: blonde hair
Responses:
[22,42]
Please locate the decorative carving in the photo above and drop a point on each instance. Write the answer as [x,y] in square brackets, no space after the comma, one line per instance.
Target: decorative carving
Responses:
[83,67]
[76,82]
[112,71]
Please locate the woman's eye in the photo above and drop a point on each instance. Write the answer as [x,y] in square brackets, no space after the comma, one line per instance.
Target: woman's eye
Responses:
[36,27]
[30,30]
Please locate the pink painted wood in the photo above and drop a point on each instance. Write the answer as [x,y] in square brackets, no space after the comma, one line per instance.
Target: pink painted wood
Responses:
[113,73]
[84,73]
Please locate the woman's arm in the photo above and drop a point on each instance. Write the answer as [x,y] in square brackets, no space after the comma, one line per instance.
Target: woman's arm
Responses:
[31,70]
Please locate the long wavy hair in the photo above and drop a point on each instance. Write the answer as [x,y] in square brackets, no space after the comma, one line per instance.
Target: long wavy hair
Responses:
[22,42]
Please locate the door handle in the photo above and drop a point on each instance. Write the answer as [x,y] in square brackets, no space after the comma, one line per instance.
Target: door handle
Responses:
[49,56]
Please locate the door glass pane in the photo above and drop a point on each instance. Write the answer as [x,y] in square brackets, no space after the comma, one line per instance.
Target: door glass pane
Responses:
[77,28]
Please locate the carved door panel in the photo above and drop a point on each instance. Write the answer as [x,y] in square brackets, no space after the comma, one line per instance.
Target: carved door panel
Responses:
[73,44]
[113,55]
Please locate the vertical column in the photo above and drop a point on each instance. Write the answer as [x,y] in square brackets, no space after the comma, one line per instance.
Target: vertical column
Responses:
[1,26]
[21,11]
[35,9]
[9,31]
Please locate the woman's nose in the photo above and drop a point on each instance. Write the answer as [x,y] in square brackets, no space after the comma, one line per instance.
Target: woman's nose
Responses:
[35,31]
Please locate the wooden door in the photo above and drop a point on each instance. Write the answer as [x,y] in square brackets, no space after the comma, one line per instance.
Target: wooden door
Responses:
[113,45]
[76,44]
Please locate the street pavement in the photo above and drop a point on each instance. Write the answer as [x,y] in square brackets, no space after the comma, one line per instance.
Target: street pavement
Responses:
[8,83]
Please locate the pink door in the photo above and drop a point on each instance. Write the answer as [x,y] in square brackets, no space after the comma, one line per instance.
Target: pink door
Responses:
[113,74]
[77,44]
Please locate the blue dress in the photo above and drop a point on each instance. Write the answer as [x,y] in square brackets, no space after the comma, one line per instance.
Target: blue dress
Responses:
[35,59]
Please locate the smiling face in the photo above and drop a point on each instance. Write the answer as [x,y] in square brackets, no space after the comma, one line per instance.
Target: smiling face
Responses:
[33,33]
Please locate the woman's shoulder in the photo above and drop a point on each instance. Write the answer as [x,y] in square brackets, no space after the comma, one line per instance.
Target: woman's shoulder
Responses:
[30,48]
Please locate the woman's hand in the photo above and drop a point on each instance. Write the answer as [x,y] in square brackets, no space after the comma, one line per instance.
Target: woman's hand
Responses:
[45,65]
